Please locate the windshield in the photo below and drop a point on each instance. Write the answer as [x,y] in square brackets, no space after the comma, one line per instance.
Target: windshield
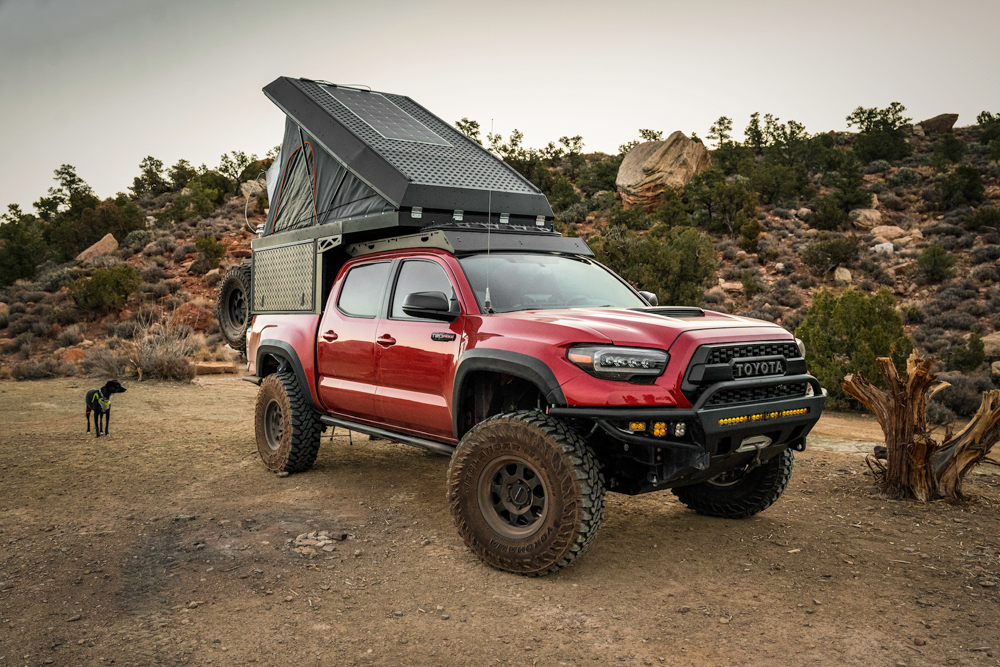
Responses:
[542,282]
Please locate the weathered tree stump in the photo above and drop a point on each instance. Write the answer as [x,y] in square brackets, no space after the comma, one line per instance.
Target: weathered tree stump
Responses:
[916,465]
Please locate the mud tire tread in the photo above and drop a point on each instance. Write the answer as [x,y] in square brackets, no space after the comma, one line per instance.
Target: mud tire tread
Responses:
[301,436]
[752,495]
[234,335]
[585,471]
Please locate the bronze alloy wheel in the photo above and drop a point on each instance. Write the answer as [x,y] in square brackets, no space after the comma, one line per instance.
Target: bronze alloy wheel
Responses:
[526,492]
[286,426]
[512,497]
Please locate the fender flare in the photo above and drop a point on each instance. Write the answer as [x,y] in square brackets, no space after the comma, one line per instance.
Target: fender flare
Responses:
[519,365]
[286,357]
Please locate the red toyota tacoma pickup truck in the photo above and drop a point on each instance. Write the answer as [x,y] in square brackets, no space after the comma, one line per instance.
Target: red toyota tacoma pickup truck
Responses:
[408,284]
[545,377]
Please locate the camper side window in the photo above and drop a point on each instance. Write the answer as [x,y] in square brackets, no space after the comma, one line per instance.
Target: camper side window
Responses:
[361,294]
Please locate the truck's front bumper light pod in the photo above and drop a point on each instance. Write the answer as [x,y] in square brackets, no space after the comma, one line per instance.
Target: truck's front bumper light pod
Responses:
[763,416]
[618,363]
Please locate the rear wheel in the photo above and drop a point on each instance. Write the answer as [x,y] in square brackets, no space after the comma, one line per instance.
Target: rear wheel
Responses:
[287,428]
[741,493]
[525,492]
[234,307]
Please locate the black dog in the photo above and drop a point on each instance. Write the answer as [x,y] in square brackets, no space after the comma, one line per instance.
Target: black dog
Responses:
[99,402]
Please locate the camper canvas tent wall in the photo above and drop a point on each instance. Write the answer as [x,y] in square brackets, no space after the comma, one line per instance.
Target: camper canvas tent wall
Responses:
[358,165]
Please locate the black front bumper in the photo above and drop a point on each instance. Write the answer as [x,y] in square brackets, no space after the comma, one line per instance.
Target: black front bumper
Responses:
[713,439]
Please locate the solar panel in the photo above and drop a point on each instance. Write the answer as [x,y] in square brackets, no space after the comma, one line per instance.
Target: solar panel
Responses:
[379,113]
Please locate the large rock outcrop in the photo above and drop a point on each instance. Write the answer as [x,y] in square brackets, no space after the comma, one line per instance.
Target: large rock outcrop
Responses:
[102,247]
[651,166]
[939,124]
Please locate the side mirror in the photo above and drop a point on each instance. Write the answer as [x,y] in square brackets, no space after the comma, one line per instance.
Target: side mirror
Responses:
[429,306]
[650,297]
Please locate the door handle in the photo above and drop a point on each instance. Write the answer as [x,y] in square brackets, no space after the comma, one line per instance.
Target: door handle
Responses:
[330,336]
[385,340]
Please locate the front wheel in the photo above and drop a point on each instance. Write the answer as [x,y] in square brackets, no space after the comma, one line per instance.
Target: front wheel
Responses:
[741,493]
[288,429]
[525,492]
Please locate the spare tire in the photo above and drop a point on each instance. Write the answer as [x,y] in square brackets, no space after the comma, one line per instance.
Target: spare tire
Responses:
[234,307]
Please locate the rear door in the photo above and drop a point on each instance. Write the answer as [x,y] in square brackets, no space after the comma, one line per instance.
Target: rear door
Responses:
[418,356]
[346,354]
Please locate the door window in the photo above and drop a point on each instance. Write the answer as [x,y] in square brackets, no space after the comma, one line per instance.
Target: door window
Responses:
[361,294]
[419,276]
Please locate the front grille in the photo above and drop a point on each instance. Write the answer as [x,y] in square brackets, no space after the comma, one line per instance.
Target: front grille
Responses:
[725,354]
[756,394]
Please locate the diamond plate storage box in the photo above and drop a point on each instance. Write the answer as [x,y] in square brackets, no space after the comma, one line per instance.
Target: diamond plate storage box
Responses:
[284,279]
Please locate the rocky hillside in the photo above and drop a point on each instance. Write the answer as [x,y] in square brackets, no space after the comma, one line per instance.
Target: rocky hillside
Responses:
[756,227]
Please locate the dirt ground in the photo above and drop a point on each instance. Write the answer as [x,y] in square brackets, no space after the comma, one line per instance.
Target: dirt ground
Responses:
[169,544]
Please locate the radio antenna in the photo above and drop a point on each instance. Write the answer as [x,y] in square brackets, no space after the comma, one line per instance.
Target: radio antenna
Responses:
[489,225]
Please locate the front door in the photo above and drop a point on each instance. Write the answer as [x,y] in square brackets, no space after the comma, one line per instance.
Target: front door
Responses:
[417,356]
[346,354]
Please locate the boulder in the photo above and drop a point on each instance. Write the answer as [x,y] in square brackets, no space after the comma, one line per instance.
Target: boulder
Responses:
[916,235]
[251,188]
[72,355]
[888,232]
[195,316]
[904,241]
[4,309]
[991,346]
[916,130]
[651,166]
[884,249]
[842,276]
[102,247]
[803,213]
[866,218]
[779,267]
[940,124]
[731,286]
[874,201]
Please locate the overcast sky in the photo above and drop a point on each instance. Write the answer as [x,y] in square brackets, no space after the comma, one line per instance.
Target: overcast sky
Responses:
[102,83]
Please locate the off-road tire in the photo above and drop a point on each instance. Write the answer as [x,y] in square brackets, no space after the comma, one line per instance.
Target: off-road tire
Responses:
[234,307]
[754,492]
[287,428]
[559,461]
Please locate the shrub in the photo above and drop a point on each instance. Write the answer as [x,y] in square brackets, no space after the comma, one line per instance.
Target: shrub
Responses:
[825,254]
[877,167]
[105,363]
[138,239]
[38,370]
[964,395]
[750,284]
[183,251]
[212,279]
[632,218]
[904,177]
[152,274]
[912,315]
[964,186]
[575,214]
[949,149]
[939,414]
[952,319]
[107,289]
[211,248]
[846,334]
[936,263]
[828,215]
[677,266]
[70,336]
[161,353]
[985,253]
[968,356]
[987,216]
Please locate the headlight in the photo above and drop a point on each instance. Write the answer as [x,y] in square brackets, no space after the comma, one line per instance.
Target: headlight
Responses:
[802,347]
[618,363]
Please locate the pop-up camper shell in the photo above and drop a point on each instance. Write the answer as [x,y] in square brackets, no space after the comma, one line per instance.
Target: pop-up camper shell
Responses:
[358,166]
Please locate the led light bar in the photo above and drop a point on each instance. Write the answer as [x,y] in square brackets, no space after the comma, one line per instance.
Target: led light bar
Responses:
[763,416]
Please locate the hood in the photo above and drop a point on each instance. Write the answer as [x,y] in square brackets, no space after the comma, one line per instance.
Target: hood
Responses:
[640,328]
